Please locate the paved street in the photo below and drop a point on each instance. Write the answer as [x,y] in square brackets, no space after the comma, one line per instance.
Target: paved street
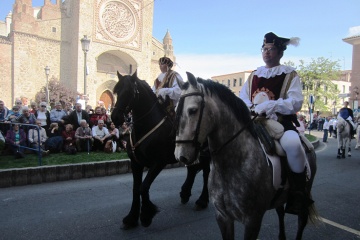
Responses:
[93,208]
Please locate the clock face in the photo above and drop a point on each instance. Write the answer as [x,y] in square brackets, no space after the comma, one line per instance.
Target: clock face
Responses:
[117,20]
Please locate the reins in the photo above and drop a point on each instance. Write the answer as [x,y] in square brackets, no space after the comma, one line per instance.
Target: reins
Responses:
[236,134]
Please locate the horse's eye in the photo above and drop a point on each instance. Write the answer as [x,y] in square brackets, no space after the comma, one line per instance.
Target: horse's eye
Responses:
[192,111]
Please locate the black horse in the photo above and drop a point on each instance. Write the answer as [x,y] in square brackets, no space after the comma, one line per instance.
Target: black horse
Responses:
[152,145]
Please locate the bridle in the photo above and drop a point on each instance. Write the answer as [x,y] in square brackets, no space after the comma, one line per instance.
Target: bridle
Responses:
[128,108]
[195,141]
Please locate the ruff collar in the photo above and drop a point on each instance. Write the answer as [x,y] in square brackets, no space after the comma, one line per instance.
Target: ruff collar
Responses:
[272,72]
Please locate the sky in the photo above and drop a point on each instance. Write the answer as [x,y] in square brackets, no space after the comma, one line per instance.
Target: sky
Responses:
[214,37]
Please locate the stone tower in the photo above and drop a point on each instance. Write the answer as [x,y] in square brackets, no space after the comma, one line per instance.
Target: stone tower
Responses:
[51,36]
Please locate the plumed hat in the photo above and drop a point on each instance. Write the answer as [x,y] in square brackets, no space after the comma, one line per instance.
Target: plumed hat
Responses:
[167,61]
[279,42]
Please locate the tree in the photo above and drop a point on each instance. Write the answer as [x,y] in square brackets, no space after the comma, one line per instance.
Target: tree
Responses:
[58,92]
[316,78]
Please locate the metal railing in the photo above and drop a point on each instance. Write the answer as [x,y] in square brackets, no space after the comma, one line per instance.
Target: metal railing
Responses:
[6,126]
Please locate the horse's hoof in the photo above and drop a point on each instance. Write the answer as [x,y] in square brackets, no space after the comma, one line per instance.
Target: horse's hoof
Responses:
[343,156]
[184,197]
[200,205]
[338,157]
[185,200]
[146,222]
[125,226]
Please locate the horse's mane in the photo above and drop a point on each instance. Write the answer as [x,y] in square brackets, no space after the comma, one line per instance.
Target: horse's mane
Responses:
[237,106]
[127,83]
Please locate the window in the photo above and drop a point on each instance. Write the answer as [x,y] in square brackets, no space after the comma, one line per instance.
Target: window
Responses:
[234,85]
[53,29]
[228,83]
[343,89]
[240,82]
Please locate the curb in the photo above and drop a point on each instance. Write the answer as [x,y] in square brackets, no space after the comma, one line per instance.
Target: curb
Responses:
[45,174]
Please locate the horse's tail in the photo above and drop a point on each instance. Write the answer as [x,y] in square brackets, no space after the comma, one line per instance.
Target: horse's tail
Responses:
[313,214]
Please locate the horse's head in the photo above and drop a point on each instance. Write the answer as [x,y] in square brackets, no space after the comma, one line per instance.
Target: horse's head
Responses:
[126,91]
[191,130]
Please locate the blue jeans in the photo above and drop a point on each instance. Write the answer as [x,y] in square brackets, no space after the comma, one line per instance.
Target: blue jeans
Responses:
[325,135]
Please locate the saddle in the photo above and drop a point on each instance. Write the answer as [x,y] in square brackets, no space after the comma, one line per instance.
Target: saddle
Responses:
[269,132]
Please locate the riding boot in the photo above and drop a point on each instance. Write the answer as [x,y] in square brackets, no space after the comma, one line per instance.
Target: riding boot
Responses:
[298,198]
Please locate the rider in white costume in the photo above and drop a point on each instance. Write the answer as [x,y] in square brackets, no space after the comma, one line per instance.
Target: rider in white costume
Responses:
[282,87]
[166,83]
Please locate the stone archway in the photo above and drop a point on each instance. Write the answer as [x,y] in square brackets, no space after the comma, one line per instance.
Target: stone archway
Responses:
[108,99]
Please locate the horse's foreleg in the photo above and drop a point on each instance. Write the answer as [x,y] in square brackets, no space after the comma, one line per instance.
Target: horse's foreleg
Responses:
[188,184]
[343,152]
[226,226]
[148,209]
[203,200]
[339,153]
[252,227]
[131,220]
[281,214]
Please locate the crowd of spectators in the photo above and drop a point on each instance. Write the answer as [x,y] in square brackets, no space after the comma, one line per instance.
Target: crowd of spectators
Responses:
[37,128]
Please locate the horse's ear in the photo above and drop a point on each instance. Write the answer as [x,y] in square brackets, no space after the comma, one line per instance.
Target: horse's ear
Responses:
[191,79]
[119,75]
[135,74]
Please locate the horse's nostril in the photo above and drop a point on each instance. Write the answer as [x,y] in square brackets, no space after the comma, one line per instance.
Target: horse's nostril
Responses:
[183,159]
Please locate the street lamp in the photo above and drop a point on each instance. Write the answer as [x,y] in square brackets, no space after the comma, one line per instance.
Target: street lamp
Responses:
[85,43]
[47,72]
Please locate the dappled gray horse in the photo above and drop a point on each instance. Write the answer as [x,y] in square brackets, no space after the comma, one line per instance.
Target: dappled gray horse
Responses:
[343,137]
[241,185]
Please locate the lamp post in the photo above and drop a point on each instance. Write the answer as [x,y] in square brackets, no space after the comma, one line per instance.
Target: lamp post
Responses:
[85,43]
[47,72]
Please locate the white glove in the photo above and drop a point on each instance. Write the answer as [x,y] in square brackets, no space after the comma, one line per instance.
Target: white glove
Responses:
[163,92]
[267,108]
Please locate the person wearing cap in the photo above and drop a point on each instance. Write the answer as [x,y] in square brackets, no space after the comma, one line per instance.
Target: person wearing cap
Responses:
[37,138]
[281,87]
[347,114]
[166,84]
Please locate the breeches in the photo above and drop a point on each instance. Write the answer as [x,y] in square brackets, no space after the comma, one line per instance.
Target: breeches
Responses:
[295,153]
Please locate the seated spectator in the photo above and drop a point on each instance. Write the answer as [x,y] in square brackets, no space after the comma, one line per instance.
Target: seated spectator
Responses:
[83,137]
[28,118]
[124,134]
[2,142]
[113,142]
[54,143]
[43,115]
[19,103]
[76,116]
[37,138]
[16,138]
[100,135]
[57,114]
[69,108]
[34,107]
[98,115]
[13,114]
[4,111]
[68,136]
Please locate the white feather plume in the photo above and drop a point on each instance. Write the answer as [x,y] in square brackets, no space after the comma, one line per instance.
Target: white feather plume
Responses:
[295,41]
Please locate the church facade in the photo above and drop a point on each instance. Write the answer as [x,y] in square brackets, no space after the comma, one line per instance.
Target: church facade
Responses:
[120,34]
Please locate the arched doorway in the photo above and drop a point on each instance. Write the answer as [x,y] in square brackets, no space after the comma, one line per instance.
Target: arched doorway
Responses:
[108,99]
